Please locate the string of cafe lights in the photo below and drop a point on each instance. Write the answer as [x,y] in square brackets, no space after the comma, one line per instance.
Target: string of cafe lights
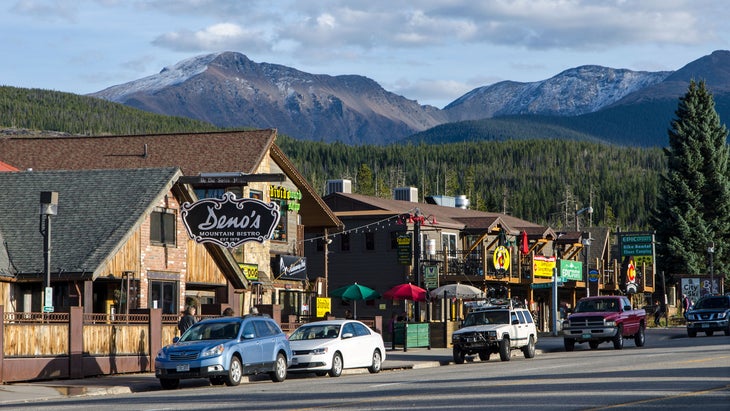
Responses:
[362,228]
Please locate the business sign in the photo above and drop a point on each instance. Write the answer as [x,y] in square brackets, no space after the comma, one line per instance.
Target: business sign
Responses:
[571,270]
[292,198]
[543,266]
[430,277]
[251,271]
[404,249]
[230,221]
[324,307]
[593,275]
[501,258]
[636,244]
[291,267]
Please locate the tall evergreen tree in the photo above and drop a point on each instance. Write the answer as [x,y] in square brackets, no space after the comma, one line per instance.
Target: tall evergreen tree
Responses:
[365,183]
[693,210]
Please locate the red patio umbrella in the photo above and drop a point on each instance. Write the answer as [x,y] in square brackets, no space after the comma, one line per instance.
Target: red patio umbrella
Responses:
[406,292]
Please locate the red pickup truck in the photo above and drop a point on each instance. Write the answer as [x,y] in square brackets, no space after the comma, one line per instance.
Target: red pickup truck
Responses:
[602,319]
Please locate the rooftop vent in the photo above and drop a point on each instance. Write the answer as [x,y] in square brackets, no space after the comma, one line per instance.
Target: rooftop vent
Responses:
[406,194]
[339,186]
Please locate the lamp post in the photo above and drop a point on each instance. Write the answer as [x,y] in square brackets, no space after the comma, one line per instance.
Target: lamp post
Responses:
[588,210]
[587,247]
[49,207]
[711,252]
[326,243]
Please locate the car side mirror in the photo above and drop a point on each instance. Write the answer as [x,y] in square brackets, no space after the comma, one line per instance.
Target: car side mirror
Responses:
[347,335]
[627,308]
[176,339]
[515,322]
[249,336]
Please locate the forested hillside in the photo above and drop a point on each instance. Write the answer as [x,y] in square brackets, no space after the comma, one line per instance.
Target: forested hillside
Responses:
[540,180]
[38,109]
[543,181]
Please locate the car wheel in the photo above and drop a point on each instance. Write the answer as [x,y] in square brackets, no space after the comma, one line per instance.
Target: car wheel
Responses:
[458,355]
[593,345]
[377,363]
[235,372]
[691,333]
[217,380]
[529,349]
[279,373]
[169,383]
[336,369]
[640,337]
[618,339]
[504,349]
[484,355]
[709,333]
[569,344]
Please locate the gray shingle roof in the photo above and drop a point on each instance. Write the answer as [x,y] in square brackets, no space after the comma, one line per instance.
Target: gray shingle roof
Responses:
[97,209]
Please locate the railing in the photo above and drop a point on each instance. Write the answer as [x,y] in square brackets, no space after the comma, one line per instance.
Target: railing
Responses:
[24,317]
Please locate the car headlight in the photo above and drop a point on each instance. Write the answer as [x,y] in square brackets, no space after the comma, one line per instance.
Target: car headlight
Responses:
[161,355]
[456,338]
[319,351]
[691,317]
[492,333]
[721,315]
[610,323]
[213,351]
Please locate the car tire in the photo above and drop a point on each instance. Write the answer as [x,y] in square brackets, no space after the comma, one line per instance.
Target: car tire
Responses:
[279,373]
[640,337]
[235,372]
[459,355]
[618,339]
[504,349]
[169,383]
[709,333]
[484,355]
[529,349]
[691,333]
[320,373]
[337,365]
[377,362]
[593,345]
[569,344]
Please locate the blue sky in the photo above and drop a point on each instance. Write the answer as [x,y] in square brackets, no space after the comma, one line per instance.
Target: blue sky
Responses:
[432,51]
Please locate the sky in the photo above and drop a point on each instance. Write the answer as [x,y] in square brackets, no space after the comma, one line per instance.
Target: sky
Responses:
[432,51]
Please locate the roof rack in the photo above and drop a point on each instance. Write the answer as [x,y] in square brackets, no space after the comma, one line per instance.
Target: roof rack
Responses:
[495,303]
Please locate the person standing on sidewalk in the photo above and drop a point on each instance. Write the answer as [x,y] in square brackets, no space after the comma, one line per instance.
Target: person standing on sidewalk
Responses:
[187,320]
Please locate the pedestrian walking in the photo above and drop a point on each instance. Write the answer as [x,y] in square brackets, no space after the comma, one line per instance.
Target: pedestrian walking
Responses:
[658,313]
[188,319]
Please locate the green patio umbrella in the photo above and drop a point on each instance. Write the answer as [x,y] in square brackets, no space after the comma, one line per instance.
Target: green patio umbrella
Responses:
[355,292]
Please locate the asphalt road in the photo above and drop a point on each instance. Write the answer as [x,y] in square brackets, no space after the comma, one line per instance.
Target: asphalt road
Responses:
[670,372]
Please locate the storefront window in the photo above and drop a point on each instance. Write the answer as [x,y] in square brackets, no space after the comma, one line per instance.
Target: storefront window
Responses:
[163,295]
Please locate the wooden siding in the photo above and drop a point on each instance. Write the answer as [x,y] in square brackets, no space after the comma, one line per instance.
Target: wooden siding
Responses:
[126,259]
[201,267]
[35,340]
[117,339]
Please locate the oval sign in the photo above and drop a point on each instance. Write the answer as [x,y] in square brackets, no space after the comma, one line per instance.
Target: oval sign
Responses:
[501,258]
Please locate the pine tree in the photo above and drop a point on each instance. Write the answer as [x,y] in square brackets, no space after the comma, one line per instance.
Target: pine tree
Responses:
[693,210]
[365,183]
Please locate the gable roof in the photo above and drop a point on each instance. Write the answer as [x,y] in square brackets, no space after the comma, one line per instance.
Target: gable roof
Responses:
[347,204]
[97,211]
[193,153]
[7,167]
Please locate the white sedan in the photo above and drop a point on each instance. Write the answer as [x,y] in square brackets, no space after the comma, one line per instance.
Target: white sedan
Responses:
[328,347]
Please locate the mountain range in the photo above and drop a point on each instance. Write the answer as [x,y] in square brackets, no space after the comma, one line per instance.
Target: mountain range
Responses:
[616,106]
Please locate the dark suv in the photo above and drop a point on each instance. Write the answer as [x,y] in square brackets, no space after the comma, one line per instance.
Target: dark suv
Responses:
[709,314]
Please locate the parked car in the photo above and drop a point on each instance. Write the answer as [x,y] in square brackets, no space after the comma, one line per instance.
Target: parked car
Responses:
[709,314]
[328,347]
[605,318]
[223,350]
[498,328]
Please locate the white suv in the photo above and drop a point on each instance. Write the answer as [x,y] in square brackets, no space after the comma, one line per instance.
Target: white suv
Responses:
[495,329]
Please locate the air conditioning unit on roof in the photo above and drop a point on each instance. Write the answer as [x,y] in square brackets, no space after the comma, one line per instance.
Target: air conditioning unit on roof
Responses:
[406,194]
[339,186]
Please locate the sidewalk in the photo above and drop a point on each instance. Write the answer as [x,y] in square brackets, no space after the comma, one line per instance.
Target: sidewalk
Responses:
[398,359]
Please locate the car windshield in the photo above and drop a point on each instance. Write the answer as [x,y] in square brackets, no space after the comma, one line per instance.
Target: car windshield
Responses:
[487,317]
[597,305]
[315,332]
[712,303]
[211,331]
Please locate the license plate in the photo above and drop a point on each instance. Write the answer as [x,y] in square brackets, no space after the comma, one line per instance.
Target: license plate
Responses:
[705,325]
[586,336]
[183,368]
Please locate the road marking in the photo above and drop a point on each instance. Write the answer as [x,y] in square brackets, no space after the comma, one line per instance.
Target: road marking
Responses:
[650,400]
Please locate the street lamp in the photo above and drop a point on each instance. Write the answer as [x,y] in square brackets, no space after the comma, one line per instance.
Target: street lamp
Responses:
[587,247]
[49,207]
[711,252]
[588,210]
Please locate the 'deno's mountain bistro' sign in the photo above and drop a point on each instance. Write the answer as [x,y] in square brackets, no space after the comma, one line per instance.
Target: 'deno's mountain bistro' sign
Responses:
[229,221]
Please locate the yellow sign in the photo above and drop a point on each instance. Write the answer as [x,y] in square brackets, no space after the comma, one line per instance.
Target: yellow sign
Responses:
[543,266]
[324,306]
[251,271]
[501,258]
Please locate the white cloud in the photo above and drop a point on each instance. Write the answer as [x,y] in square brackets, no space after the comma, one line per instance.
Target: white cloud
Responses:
[222,36]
